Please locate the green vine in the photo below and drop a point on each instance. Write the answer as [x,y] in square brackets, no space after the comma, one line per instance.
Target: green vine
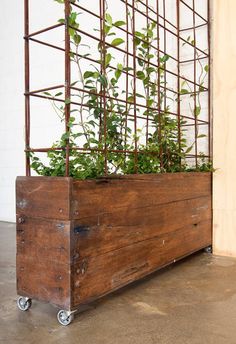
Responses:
[103,121]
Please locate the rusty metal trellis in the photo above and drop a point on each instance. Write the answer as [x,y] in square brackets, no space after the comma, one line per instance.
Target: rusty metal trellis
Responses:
[166,29]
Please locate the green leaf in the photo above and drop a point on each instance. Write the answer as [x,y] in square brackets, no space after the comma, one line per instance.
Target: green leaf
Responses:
[150,70]
[74,83]
[117,41]
[127,69]
[65,136]
[58,94]
[71,32]
[119,23]
[200,136]
[139,95]
[118,73]
[197,110]
[108,59]
[165,58]
[189,149]
[130,99]
[140,62]
[88,74]
[77,39]
[150,102]
[140,75]
[206,68]
[109,19]
[67,101]
[102,79]
[137,41]
[107,28]
[184,91]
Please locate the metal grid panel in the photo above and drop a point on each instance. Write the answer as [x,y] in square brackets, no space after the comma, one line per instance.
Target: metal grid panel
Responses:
[174,36]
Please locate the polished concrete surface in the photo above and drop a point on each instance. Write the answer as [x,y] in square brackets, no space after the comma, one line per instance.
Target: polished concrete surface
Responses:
[192,302]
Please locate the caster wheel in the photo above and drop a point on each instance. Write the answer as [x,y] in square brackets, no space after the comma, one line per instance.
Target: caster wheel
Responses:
[208,249]
[24,303]
[65,317]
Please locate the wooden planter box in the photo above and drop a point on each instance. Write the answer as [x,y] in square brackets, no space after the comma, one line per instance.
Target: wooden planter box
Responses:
[79,240]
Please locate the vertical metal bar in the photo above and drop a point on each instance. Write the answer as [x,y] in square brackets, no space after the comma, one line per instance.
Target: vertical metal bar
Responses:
[127,73]
[178,77]
[165,78]
[148,91]
[210,138]
[27,86]
[103,69]
[160,139]
[67,83]
[195,89]
[134,89]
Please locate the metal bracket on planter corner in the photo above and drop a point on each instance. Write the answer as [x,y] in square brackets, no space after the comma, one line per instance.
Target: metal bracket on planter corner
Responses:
[81,229]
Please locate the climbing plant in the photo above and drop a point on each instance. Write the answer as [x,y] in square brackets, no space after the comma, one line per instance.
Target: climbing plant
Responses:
[102,122]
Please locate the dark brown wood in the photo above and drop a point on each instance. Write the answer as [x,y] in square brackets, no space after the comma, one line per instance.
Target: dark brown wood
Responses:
[44,280]
[138,191]
[44,259]
[108,272]
[46,197]
[110,231]
[79,240]
[44,240]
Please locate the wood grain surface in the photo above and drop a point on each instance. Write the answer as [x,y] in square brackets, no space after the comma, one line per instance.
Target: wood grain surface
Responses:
[79,240]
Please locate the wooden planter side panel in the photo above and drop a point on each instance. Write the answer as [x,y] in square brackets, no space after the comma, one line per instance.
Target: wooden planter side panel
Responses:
[79,240]
[110,231]
[43,260]
[108,272]
[129,227]
[44,197]
[92,197]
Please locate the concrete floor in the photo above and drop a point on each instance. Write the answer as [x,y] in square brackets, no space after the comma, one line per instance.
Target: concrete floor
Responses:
[192,302]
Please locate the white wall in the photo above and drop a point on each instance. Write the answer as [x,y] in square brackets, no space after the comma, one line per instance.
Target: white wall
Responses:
[12,88]
[12,104]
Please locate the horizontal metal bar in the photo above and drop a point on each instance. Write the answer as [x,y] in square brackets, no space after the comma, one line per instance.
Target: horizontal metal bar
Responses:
[197,59]
[87,150]
[85,105]
[45,89]
[44,30]
[192,28]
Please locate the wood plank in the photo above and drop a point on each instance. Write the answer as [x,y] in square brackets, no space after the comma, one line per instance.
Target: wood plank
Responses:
[44,281]
[46,197]
[106,232]
[99,275]
[91,197]
[44,240]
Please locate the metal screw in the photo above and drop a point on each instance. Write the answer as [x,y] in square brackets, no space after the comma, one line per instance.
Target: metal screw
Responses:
[60,225]
[21,220]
